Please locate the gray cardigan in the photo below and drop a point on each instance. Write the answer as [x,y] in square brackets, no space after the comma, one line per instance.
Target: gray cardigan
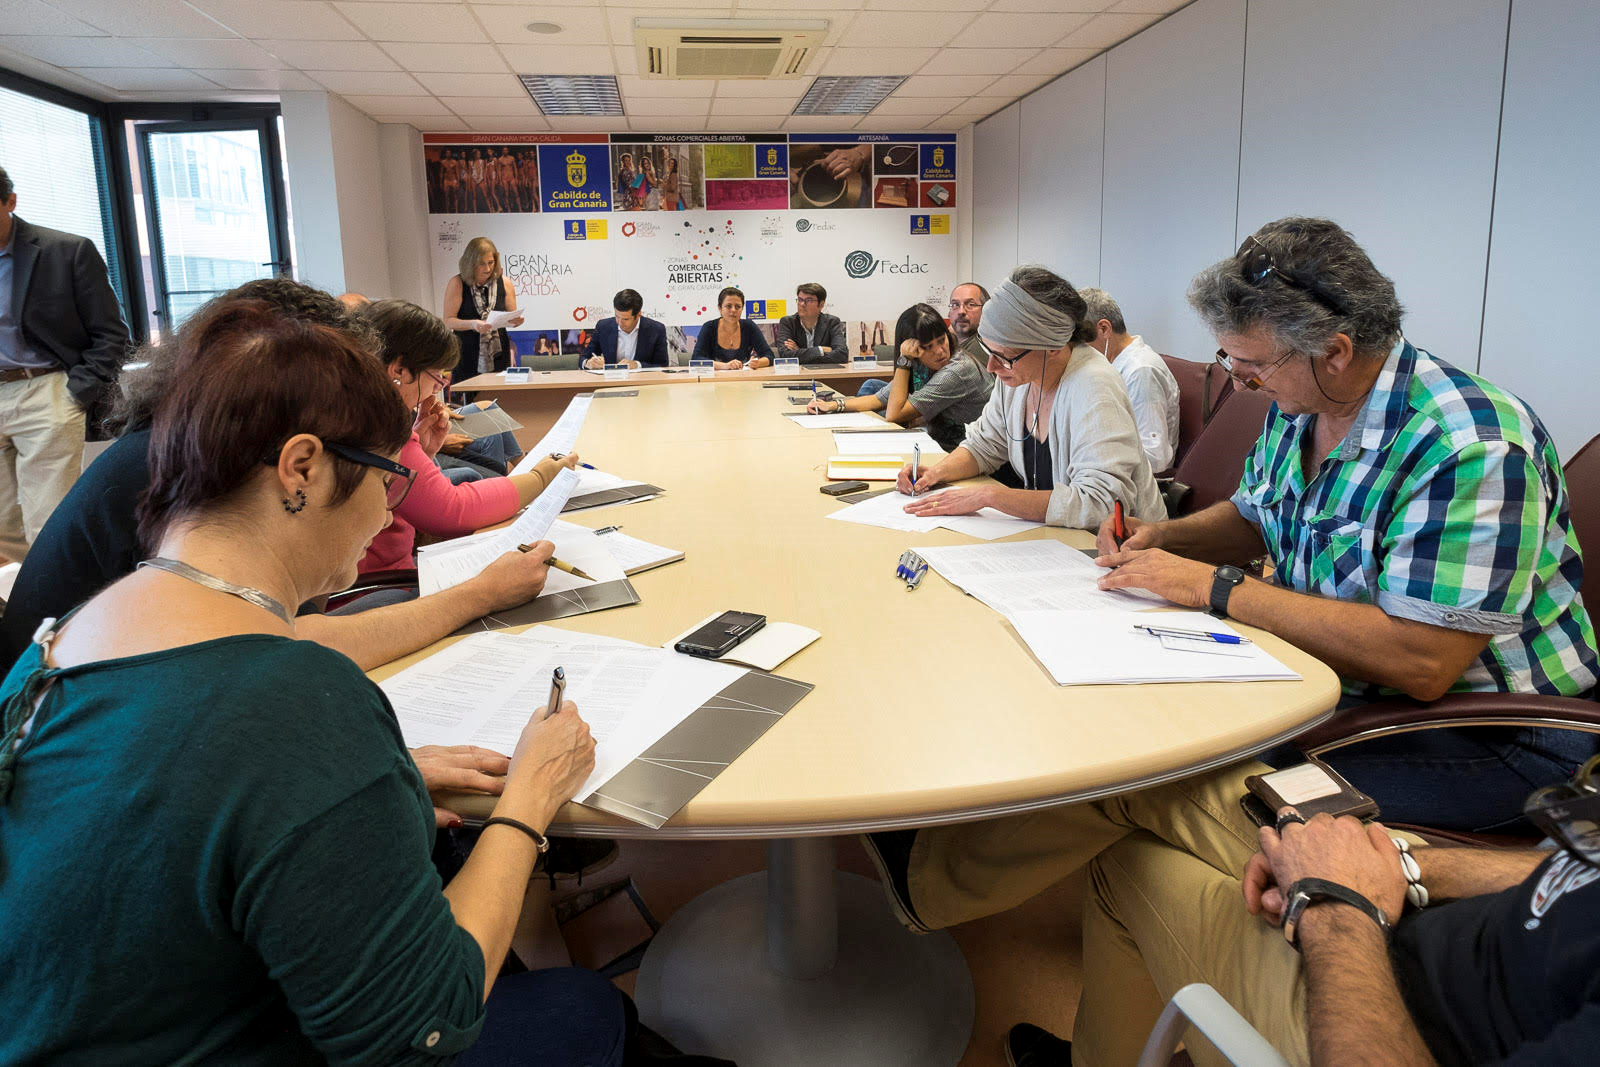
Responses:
[832,345]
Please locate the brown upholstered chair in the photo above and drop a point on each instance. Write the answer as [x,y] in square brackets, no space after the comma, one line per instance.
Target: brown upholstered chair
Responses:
[1202,387]
[1583,498]
[1211,468]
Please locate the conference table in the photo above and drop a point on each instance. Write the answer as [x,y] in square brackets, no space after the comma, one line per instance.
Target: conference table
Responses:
[927,710]
[537,398]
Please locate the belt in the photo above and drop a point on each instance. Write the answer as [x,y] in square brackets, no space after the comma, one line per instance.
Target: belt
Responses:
[19,374]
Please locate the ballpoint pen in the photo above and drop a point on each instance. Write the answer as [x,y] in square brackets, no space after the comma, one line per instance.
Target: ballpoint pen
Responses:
[916,465]
[561,565]
[1174,631]
[559,456]
[1119,531]
[558,689]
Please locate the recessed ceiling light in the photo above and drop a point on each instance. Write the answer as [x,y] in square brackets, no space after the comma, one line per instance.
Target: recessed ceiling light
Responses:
[831,95]
[574,94]
[544,27]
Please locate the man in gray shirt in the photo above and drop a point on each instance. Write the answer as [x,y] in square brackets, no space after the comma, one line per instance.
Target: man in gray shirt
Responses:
[809,334]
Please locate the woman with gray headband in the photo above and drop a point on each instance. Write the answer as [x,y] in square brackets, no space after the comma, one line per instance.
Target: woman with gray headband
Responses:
[1058,432]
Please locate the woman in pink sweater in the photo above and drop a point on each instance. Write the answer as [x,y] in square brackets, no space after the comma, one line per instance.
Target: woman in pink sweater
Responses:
[419,349]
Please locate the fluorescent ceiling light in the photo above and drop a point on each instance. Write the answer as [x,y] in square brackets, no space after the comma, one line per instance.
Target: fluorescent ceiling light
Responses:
[574,94]
[831,95]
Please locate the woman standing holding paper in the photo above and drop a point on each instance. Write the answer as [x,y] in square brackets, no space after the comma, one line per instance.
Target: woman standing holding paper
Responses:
[1057,432]
[476,290]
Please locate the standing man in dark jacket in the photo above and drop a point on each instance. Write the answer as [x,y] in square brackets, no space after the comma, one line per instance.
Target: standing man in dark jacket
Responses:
[62,341]
[809,334]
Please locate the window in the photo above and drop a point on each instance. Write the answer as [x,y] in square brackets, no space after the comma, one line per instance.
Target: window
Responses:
[55,156]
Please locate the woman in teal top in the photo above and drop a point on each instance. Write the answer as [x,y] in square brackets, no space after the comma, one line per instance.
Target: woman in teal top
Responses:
[213,845]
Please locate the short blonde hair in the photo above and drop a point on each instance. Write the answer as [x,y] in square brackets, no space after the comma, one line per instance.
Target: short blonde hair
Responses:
[470,256]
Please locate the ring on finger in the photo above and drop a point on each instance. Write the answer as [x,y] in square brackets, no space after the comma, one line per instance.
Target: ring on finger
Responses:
[1287,817]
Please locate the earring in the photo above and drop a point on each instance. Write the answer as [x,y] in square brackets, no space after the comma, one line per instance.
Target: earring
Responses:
[295,509]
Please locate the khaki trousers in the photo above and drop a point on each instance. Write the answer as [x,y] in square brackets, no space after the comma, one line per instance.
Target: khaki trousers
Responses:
[41,455]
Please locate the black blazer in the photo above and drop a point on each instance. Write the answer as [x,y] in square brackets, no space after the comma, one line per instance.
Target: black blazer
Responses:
[752,344]
[468,339]
[832,345]
[66,308]
[651,351]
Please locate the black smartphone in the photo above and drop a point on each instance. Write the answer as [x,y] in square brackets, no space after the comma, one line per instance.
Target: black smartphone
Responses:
[841,488]
[799,400]
[721,634]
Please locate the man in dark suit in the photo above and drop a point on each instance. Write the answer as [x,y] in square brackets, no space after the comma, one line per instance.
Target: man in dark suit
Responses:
[628,339]
[810,334]
[62,342]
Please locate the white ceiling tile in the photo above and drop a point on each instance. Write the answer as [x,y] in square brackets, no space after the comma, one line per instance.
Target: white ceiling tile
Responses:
[260,80]
[680,125]
[147,18]
[396,105]
[281,20]
[980,60]
[1160,7]
[523,3]
[534,123]
[220,55]
[34,17]
[878,60]
[21,64]
[905,29]
[553,59]
[138,79]
[634,87]
[894,123]
[85,51]
[414,57]
[1057,60]
[588,123]
[1008,31]
[757,105]
[480,106]
[917,105]
[1103,31]
[769,87]
[947,124]
[483,85]
[765,8]
[413,22]
[427,123]
[626,58]
[944,84]
[979,107]
[680,105]
[330,55]
[1014,85]
[210,96]
[509,25]
[1057,6]
[369,82]
[819,123]
[970,6]
[620,18]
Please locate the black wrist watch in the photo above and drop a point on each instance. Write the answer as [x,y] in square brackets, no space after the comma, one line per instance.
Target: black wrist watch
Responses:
[1222,582]
[901,362]
[1309,891]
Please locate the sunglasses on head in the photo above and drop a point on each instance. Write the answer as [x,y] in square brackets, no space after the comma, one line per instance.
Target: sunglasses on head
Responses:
[1569,813]
[1256,263]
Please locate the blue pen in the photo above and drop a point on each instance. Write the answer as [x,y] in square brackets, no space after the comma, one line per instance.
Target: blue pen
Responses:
[559,456]
[1172,631]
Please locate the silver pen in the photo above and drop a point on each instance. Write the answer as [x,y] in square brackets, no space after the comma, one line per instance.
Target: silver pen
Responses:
[558,689]
[916,465]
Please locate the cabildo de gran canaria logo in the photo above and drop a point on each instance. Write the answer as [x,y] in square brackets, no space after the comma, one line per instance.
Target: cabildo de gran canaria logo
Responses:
[859,264]
[577,169]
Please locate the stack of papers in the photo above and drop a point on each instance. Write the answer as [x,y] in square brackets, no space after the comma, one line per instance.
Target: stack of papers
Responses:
[1101,647]
[884,443]
[1031,576]
[562,436]
[838,421]
[634,555]
[884,468]
[449,563]
[888,511]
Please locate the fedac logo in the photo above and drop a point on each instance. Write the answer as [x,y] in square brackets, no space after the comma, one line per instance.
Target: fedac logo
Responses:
[802,225]
[577,169]
[859,264]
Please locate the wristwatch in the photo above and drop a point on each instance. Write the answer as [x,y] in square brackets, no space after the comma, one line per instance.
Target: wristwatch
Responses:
[901,362]
[1222,582]
[1309,891]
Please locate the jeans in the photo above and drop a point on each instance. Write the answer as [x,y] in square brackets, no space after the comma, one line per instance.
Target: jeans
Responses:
[558,1017]
[872,386]
[458,472]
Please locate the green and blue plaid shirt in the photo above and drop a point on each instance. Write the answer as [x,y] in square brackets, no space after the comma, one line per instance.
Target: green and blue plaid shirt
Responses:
[1445,504]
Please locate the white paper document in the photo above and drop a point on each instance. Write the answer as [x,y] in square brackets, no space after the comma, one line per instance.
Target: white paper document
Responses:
[483,690]
[561,437]
[989,524]
[1101,647]
[597,481]
[888,511]
[885,442]
[1031,576]
[765,649]
[634,555]
[838,421]
[449,563]
[499,320]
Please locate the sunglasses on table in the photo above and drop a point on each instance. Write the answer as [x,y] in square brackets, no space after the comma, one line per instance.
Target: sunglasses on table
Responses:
[1256,264]
[1569,813]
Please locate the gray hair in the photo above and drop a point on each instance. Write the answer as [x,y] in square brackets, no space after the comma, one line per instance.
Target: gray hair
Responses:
[1052,290]
[1312,250]
[1101,306]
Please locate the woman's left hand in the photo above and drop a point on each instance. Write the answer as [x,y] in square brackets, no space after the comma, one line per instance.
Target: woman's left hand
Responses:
[455,444]
[956,501]
[433,424]
[514,322]
[910,349]
[459,769]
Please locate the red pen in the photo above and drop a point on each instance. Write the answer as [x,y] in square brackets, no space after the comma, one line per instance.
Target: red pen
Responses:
[1119,532]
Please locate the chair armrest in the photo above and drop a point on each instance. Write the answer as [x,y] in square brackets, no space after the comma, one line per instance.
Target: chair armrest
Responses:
[1397,716]
[1204,1008]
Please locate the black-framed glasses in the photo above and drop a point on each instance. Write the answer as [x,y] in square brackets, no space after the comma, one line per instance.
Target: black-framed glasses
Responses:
[1256,263]
[1012,361]
[1569,813]
[1249,381]
[965,305]
[397,478]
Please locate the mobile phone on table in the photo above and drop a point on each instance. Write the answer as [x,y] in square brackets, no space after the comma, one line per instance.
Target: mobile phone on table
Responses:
[842,488]
[1311,788]
[721,634]
[800,399]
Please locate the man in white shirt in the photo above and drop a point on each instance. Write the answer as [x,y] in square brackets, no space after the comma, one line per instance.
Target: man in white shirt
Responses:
[1151,386]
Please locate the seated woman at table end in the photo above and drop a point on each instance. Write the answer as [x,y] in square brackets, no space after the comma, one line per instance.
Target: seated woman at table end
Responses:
[1058,431]
[730,341]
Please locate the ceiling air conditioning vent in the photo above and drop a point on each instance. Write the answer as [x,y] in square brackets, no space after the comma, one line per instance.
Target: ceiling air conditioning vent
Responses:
[726,48]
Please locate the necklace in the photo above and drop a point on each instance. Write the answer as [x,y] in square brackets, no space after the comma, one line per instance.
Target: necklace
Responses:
[211,581]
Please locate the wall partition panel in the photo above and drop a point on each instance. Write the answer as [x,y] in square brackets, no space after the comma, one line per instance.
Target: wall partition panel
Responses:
[1544,268]
[1383,117]
[1171,167]
[1062,140]
[996,143]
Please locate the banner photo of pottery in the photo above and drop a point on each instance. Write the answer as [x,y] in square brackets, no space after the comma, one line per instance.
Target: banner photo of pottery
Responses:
[830,175]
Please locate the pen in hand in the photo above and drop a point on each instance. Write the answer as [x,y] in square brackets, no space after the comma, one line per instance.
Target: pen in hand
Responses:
[1119,530]
[916,465]
[561,565]
[559,456]
[558,689]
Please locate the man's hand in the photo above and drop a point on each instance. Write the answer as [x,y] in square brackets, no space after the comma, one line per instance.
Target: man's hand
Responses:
[459,769]
[788,343]
[842,161]
[1141,534]
[595,363]
[1344,850]
[1182,581]
[957,501]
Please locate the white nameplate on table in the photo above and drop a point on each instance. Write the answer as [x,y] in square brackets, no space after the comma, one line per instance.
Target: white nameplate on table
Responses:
[1101,647]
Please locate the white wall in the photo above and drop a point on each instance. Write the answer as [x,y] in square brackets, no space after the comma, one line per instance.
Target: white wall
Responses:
[1059,176]
[1385,117]
[405,213]
[361,200]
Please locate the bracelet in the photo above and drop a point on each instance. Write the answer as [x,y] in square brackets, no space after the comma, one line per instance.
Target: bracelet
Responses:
[540,842]
[1309,891]
[1416,892]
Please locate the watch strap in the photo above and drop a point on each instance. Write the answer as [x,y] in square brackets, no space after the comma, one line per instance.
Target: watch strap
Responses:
[540,841]
[1308,891]
[1222,586]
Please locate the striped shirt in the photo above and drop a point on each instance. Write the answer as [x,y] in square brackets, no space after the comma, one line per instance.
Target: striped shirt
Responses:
[1444,504]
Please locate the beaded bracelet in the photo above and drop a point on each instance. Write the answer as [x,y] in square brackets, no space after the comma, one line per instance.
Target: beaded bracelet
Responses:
[1416,892]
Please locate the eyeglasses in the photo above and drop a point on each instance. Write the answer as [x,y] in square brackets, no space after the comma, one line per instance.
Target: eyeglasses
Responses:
[397,479]
[1012,361]
[1249,381]
[444,383]
[805,300]
[965,305]
[1256,262]
[1569,813]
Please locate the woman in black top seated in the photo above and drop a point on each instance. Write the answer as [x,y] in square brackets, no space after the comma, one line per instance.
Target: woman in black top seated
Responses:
[732,342]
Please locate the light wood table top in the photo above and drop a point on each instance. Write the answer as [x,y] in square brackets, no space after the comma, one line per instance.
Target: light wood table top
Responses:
[927,707]
[582,379]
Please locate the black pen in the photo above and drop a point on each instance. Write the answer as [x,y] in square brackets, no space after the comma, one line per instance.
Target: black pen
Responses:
[558,689]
